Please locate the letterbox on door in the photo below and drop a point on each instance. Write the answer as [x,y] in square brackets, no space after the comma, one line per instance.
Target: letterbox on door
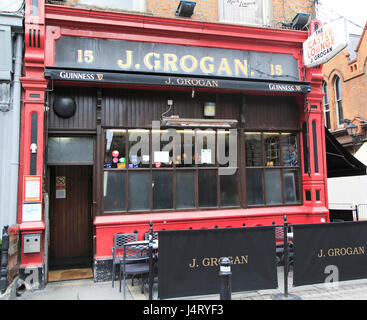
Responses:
[32,243]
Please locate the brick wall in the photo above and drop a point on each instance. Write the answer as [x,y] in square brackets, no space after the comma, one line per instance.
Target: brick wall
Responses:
[286,10]
[353,82]
[207,10]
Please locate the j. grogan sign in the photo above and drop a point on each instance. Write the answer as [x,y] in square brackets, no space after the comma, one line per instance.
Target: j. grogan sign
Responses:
[158,58]
[325,43]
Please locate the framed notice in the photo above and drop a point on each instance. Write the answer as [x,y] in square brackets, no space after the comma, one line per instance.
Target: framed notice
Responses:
[32,189]
[60,187]
[32,212]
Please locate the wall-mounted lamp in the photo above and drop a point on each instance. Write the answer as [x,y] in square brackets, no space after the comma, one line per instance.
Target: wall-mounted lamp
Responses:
[185,8]
[299,22]
[351,129]
[209,109]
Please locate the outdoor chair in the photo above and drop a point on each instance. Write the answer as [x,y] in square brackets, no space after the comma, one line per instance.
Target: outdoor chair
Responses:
[155,235]
[135,261]
[118,244]
[279,235]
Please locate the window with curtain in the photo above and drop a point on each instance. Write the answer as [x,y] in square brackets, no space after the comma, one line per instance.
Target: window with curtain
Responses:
[326,104]
[338,101]
[247,12]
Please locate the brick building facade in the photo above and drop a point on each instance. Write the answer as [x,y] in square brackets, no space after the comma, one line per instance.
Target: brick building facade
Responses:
[348,67]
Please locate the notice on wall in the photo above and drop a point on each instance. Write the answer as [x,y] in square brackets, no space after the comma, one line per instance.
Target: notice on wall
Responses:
[32,189]
[161,156]
[32,212]
[206,156]
[60,187]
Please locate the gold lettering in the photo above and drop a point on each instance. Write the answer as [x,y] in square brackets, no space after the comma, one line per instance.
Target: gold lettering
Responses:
[170,60]
[128,62]
[206,262]
[193,264]
[244,259]
[207,68]
[320,254]
[224,67]
[240,65]
[194,63]
[147,62]
[213,261]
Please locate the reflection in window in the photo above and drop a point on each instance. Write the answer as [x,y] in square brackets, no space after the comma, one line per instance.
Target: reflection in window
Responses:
[326,104]
[271,149]
[185,189]
[289,149]
[338,101]
[254,187]
[139,190]
[253,150]
[272,186]
[229,190]
[115,154]
[208,188]
[162,189]
[114,190]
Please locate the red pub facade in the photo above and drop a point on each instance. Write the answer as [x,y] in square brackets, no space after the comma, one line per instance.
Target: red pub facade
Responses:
[130,118]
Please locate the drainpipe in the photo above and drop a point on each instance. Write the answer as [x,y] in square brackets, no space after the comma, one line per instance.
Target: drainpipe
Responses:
[15,127]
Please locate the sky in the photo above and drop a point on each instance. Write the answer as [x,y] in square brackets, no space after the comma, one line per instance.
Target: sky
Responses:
[353,10]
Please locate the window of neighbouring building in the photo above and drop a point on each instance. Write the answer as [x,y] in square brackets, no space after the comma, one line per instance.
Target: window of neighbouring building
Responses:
[338,101]
[129,5]
[247,12]
[326,104]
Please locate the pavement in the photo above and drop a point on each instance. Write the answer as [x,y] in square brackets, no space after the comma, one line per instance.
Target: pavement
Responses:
[87,289]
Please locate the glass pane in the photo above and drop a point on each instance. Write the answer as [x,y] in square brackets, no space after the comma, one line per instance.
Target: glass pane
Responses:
[273,187]
[289,149]
[138,149]
[115,149]
[139,190]
[185,149]
[185,189]
[291,186]
[253,150]
[229,190]
[205,148]
[114,190]
[254,187]
[208,188]
[272,149]
[162,189]
[69,150]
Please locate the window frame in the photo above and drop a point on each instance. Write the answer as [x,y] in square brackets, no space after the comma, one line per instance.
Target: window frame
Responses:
[196,168]
[283,169]
[138,5]
[326,104]
[338,102]
[266,15]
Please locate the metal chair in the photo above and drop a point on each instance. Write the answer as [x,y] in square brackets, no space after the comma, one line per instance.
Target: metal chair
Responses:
[135,261]
[155,236]
[118,244]
[279,235]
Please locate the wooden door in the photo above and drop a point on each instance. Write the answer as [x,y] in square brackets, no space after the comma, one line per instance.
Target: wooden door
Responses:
[70,216]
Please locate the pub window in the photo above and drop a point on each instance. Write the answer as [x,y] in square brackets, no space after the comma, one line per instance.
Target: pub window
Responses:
[152,170]
[128,5]
[254,12]
[338,101]
[272,168]
[326,104]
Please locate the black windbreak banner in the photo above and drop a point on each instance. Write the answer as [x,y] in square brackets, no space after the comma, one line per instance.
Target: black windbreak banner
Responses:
[329,252]
[188,261]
